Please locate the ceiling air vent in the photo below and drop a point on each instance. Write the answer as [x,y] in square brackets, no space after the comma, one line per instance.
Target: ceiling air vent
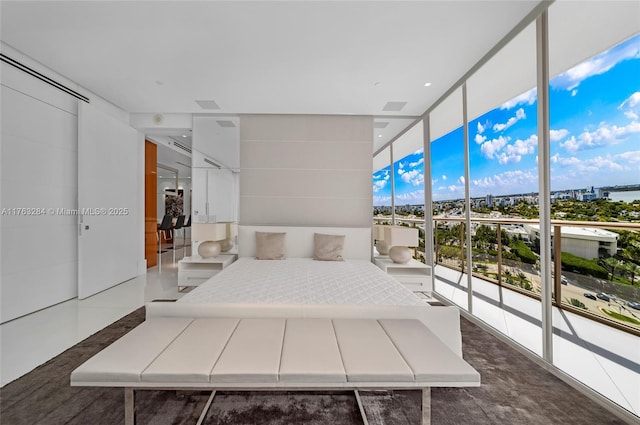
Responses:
[208,104]
[208,161]
[394,106]
[225,123]
[381,124]
[181,146]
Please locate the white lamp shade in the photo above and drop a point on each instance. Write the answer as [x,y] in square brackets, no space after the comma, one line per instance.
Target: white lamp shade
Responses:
[208,231]
[378,232]
[401,236]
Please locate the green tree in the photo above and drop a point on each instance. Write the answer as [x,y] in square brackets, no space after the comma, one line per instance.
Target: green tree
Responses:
[612,263]
[632,269]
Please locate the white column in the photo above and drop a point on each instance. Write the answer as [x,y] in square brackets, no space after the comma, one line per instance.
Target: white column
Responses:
[544,179]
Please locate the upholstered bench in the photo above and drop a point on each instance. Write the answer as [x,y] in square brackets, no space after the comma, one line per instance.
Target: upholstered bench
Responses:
[276,354]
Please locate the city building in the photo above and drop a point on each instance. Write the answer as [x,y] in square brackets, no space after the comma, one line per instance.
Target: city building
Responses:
[584,242]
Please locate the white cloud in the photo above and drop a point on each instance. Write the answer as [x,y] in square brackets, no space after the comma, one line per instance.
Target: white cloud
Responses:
[380,181]
[444,177]
[509,178]
[574,92]
[480,138]
[506,182]
[604,135]
[523,147]
[571,79]
[558,134]
[414,164]
[511,121]
[528,98]
[378,185]
[414,177]
[415,197]
[632,157]
[491,147]
[382,200]
[503,158]
[631,106]
[513,153]
[486,182]
[461,180]
[604,163]
[481,127]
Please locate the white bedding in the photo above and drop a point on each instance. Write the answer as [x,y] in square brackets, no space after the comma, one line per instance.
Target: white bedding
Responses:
[302,281]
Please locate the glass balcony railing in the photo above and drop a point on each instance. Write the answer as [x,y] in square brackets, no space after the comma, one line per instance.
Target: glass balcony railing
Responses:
[596,265]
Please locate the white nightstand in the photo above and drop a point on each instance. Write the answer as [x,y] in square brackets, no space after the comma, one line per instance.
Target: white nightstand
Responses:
[192,271]
[415,275]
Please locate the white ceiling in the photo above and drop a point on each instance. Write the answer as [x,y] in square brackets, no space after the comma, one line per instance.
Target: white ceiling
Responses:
[301,57]
[261,57]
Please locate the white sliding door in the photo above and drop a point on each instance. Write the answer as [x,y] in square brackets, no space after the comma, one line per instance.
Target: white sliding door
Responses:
[107,201]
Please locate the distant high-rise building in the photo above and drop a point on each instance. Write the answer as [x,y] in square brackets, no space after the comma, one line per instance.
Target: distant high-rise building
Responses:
[489,200]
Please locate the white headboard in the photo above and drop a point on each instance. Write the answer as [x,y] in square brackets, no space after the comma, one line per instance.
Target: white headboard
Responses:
[299,240]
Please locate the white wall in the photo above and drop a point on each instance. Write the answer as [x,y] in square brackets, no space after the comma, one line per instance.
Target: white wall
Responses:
[38,158]
[305,170]
[39,170]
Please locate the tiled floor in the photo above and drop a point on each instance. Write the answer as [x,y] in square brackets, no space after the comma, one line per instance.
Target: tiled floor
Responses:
[605,359]
[29,341]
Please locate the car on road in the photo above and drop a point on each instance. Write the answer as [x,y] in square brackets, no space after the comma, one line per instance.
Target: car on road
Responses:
[564,280]
[603,296]
[590,296]
[634,304]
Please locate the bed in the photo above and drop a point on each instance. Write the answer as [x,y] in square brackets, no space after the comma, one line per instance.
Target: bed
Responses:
[299,286]
[289,324]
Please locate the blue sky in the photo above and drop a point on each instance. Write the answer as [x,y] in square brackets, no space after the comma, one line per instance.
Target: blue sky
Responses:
[595,138]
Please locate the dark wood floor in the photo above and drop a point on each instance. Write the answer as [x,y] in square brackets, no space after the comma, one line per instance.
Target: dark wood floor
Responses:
[514,391]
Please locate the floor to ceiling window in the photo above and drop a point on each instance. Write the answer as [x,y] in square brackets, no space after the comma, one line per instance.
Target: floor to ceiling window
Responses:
[594,60]
[594,102]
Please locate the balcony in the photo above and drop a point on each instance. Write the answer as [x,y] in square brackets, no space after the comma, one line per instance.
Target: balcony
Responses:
[595,321]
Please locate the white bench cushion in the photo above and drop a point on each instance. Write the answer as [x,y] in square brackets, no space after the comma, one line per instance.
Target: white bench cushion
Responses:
[428,357]
[367,353]
[193,354]
[252,355]
[125,359]
[310,352]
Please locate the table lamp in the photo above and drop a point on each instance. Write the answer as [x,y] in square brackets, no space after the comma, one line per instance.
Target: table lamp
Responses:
[210,235]
[378,235]
[399,238]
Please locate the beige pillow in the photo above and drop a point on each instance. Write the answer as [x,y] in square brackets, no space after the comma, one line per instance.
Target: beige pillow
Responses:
[270,246]
[328,247]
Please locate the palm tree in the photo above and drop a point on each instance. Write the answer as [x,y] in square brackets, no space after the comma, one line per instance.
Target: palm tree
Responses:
[611,263]
[633,269]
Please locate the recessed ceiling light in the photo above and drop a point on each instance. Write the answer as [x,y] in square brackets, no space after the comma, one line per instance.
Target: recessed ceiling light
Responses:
[427,84]
[394,106]
[184,135]
[379,135]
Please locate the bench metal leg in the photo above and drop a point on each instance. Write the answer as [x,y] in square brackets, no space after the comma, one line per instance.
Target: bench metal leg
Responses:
[129,408]
[206,408]
[426,406]
[362,413]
